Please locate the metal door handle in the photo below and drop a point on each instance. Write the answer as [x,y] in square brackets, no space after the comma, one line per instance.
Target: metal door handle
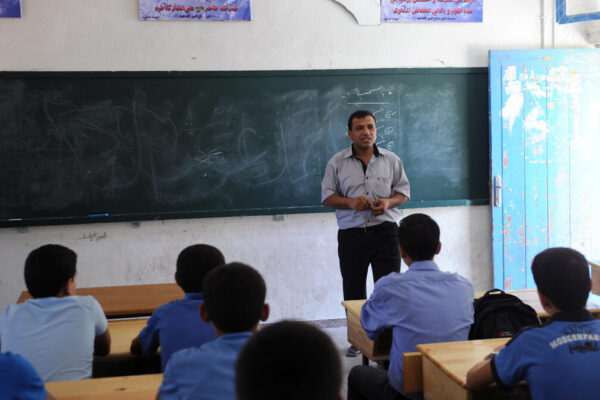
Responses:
[497,191]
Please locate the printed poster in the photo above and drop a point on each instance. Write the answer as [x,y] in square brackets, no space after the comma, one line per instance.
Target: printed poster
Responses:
[10,8]
[431,10]
[200,10]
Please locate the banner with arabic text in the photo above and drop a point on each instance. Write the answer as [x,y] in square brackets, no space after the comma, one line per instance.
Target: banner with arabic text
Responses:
[10,8]
[200,10]
[431,10]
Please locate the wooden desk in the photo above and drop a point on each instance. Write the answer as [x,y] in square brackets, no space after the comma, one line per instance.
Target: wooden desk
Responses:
[127,387]
[120,361]
[122,333]
[595,267]
[445,367]
[128,301]
[377,350]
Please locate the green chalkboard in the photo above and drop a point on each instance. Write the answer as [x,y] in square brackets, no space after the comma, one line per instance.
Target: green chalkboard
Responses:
[103,146]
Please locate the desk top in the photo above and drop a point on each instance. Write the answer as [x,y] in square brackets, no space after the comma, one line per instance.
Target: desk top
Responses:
[457,358]
[130,300]
[125,387]
[122,333]
[354,306]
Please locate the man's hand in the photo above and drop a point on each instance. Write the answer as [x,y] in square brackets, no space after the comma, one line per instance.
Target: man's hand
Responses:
[380,206]
[360,203]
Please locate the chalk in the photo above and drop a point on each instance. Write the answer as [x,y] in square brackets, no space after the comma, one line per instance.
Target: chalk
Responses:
[98,215]
[16,219]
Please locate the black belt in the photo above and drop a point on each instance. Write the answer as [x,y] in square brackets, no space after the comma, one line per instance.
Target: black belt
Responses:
[373,228]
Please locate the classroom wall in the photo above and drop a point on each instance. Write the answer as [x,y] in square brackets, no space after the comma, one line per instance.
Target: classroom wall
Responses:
[298,255]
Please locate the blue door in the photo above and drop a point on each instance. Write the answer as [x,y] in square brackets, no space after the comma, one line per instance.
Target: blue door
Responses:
[545,157]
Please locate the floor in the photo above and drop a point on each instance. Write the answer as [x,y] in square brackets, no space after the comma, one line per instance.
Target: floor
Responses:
[339,336]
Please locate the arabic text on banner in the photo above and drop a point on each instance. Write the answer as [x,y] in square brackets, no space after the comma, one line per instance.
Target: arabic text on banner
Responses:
[201,10]
[431,10]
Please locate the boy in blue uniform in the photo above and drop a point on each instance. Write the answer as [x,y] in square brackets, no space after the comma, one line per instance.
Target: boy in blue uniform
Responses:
[422,305]
[560,359]
[57,332]
[177,325]
[18,379]
[234,301]
[289,360]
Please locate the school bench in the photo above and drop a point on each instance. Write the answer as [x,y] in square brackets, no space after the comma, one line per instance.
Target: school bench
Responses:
[136,387]
[129,300]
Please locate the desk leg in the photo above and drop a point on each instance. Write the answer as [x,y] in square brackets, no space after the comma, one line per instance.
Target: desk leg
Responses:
[365,360]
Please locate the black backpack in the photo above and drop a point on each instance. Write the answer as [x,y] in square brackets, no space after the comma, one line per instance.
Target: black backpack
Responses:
[498,314]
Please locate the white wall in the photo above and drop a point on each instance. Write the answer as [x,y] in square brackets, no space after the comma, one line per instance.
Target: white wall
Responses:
[298,256]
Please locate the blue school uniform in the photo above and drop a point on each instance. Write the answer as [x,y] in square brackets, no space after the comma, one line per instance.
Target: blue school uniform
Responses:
[205,372]
[559,360]
[56,335]
[174,326]
[19,380]
[422,305]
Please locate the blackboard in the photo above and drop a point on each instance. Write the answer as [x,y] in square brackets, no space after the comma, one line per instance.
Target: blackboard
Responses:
[103,146]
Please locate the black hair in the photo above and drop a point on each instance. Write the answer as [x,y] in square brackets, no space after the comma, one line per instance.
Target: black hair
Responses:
[419,236]
[562,275]
[48,268]
[288,360]
[359,114]
[193,263]
[234,297]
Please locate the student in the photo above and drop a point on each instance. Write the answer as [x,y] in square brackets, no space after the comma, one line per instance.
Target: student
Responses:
[560,359]
[177,325]
[234,301]
[19,380]
[289,360]
[422,305]
[56,331]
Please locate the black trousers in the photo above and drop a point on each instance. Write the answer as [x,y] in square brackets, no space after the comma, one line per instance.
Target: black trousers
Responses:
[369,383]
[359,247]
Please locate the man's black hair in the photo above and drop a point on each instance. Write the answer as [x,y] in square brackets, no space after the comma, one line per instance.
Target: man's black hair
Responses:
[48,268]
[562,275]
[419,236]
[194,263]
[234,297]
[288,360]
[359,114]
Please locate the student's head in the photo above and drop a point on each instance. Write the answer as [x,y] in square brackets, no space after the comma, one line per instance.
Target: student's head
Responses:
[359,114]
[234,298]
[288,360]
[419,237]
[48,269]
[562,275]
[194,263]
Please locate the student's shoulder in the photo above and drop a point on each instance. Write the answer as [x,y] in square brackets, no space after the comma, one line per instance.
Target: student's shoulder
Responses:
[393,279]
[191,356]
[14,363]
[455,276]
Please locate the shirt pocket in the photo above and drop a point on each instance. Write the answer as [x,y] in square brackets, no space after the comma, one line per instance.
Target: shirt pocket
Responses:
[383,187]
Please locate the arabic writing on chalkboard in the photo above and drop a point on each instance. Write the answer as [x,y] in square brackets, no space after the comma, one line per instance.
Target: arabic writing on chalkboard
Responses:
[431,10]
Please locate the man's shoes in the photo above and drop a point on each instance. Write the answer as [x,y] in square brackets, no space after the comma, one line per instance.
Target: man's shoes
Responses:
[352,352]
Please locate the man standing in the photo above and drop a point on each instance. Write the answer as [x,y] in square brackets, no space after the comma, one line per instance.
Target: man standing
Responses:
[365,184]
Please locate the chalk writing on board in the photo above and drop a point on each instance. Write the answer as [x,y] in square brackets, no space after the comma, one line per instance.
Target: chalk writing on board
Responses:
[162,145]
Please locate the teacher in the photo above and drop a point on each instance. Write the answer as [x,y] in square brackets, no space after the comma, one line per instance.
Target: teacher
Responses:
[365,184]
